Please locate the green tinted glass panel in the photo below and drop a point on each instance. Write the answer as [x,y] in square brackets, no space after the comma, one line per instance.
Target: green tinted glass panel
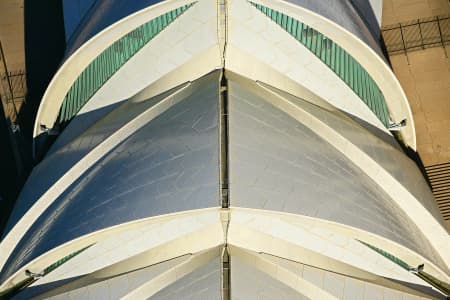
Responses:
[110,61]
[336,58]
[63,260]
[389,256]
[442,286]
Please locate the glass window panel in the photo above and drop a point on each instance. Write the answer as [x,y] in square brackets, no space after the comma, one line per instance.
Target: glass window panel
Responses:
[110,60]
[342,63]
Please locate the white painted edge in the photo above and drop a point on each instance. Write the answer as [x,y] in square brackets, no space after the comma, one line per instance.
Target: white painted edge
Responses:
[281,274]
[432,229]
[21,227]
[150,288]
[80,59]
[44,260]
[351,232]
[377,8]
[269,264]
[158,254]
[381,73]
[246,65]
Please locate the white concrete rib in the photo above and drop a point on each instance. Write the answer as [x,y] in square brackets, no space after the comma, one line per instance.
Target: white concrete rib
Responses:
[424,220]
[80,59]
[155,285]
[153,239]
[381,73]
[17,232]
[281,274]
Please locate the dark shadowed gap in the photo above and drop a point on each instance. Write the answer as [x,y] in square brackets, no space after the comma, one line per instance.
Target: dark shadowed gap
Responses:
[44,49]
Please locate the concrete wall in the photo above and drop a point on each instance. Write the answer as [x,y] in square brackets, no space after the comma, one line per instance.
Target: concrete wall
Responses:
[395,11]
[425,76]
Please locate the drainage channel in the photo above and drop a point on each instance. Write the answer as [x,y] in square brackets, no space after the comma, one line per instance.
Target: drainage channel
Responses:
[224,187]
[224,165]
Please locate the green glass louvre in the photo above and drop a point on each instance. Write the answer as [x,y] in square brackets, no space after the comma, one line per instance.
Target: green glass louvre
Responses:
[110,61]
[63,260]
[440,285]
[389,256]
[336,58]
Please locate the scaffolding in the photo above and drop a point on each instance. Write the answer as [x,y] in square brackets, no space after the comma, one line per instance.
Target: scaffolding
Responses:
[13,91]
[416,35]
[12,96]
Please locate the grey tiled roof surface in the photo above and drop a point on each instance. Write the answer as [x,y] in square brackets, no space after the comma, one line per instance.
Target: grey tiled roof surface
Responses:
[101,15]
[100,287]
[357,18]
[383,149]
[248,283]
[170,165]
[202,283]
[72,145]
[276,163]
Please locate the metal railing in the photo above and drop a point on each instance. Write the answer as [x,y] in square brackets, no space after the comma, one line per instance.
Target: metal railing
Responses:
[417,35]
[13,90]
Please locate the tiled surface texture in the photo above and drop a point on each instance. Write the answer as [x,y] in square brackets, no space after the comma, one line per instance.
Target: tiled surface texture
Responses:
[276,163]
[345,14]
[104,288]
[71,146]
[269,45]
[102,15]
[250,283]
[341,287]
[382,148]
[203,283]
[170,165]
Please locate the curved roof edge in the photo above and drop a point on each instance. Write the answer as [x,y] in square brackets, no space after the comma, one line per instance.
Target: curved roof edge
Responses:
[249,216]
[358,17]
[382,74]
[425,221]
[204,217]
[9,242]
[94,17]
[209,221]
[364,54]
[80,59]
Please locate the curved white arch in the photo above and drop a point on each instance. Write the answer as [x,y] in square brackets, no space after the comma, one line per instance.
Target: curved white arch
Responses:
[367,57]
[10,241]
[189,232]
[280,273]
[80,59]
[150,288]
[425,221]
[265,221]
[275,248]
[381,73]
[173,235]
[259,49]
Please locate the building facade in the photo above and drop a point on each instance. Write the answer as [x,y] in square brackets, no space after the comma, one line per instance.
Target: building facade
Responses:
[225,149]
